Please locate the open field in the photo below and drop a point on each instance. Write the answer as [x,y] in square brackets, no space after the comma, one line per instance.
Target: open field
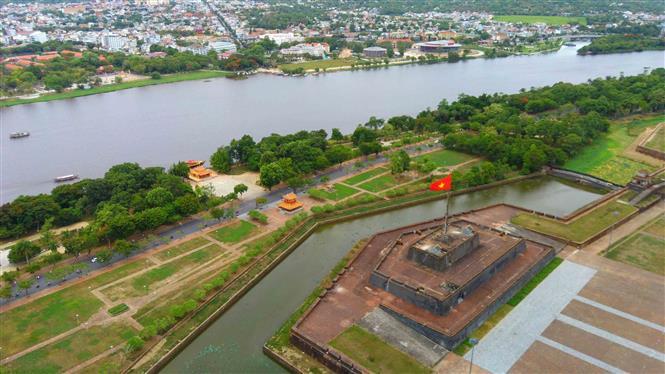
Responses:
[550,20]
[658,140]
[579,229]
[235,232]
[371,352]
[143,284]
[53,314]
[380,183]
[365,176]
[644,249]
[72,350]
[171,78]
[182,248]
[338,192]
[604,159]
[321,64]
[445,157]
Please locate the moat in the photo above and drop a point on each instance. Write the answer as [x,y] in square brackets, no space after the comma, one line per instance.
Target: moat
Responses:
[235,340]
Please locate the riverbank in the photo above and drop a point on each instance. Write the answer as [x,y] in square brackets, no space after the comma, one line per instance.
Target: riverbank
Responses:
[171,78]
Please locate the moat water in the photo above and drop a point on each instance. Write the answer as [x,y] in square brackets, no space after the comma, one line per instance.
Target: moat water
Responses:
[159,125]
[234,342]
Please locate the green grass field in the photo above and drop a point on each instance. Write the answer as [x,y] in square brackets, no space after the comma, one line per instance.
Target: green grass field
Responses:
[338,192]
[53,314]
[658,141]
[446,157]
[321,64]
[365,176]
[603,157]
[381,183]
[550,20]
[644,249]
[371,352]
[579,229]
[235,232]
[171,78]
[143,284]
[182,248]
[118,309]
[79,347]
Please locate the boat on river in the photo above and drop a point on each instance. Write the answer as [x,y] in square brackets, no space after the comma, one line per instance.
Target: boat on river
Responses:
[65,178]
[18,135]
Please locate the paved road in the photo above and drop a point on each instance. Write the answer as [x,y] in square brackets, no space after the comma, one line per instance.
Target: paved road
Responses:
[193,225]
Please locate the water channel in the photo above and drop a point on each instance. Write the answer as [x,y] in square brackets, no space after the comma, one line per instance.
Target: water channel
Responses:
[159,125]
[233,343]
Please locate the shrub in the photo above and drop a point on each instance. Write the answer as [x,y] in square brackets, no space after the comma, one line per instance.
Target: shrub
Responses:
[118,309]
[33,268]
[135,343]
[258,216]
[9,276]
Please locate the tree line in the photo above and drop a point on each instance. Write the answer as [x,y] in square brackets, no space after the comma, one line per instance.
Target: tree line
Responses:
[622,43]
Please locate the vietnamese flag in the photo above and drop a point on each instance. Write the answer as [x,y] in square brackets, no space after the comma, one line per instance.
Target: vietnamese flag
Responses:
[444,184]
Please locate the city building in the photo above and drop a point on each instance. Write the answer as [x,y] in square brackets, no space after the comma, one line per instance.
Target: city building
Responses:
[438,46]
[373,52]
[312,49]
[223,45]
[113,42]
[281,38]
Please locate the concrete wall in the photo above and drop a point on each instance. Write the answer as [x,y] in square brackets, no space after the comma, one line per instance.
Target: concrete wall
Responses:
[582,178]
[335,361]
[450,342]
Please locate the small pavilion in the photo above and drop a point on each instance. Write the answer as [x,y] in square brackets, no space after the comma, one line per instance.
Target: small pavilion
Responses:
[199,173]
[290,203]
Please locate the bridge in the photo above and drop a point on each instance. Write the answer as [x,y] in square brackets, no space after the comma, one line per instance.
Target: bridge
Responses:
[581,37]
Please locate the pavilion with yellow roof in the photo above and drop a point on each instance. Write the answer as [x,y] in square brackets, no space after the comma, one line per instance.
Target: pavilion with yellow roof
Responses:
[290,203]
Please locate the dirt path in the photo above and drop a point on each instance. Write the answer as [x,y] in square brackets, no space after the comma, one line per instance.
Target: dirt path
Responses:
[626,229]
[91,361]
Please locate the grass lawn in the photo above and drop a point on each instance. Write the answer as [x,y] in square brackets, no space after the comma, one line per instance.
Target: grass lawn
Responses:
[579,229]
[171,78]
[182,248]
[371,352]
[72,350]
[338,192]
[550,20]
[321,64]
[381,183]
[142,284]
[118,309]
[59,272]
[53,314]
[603,157]
[658,141]
[365,176]
[644,248]
[446,157]
[235,232]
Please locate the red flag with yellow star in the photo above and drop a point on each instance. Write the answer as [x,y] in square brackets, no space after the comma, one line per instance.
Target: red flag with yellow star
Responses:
[444,184]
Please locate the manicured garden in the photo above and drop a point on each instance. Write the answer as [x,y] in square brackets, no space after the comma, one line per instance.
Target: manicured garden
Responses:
[549,20]
[445,157]
[179,249]
[235,232]
[658,140]
[321,64]
[371,352]
[644,248]
[365,176]
[72,350]
[118,309]
[381,183]
[337,192]
[581,228]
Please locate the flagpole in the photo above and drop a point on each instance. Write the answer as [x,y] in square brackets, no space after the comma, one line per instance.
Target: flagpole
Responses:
[445,219]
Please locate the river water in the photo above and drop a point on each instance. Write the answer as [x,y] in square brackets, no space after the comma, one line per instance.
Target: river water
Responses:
[233,343]
[159,125]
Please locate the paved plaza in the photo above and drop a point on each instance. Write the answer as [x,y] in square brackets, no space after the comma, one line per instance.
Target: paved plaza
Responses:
[590,315]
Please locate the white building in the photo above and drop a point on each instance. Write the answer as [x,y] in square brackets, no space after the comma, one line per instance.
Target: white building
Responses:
[222,45]
[281,38]
[113,42]
[39,37]
[312,49]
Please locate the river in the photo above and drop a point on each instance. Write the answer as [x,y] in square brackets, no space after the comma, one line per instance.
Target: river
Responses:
[159,125]
[233,343]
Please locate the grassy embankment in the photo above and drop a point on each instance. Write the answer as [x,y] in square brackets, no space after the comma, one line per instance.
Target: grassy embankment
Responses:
[658,141]
[579,229]
[549,20]
[320,64]
[235,233]
[643,248]
[606,158]
[171,78]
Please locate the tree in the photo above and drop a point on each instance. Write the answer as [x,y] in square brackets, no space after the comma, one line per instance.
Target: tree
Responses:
[241,150]
[297,181]
[240,189]
[135,343]
[217,213]
[363,135]
[368,148]
[52,259]
[124,247]
[24,250]
[271,174]
[399,162]
[221,160]
[338,154]
[336,135]
[48,241]
[534,159]
[180,169]
[158,197]
[261,201]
